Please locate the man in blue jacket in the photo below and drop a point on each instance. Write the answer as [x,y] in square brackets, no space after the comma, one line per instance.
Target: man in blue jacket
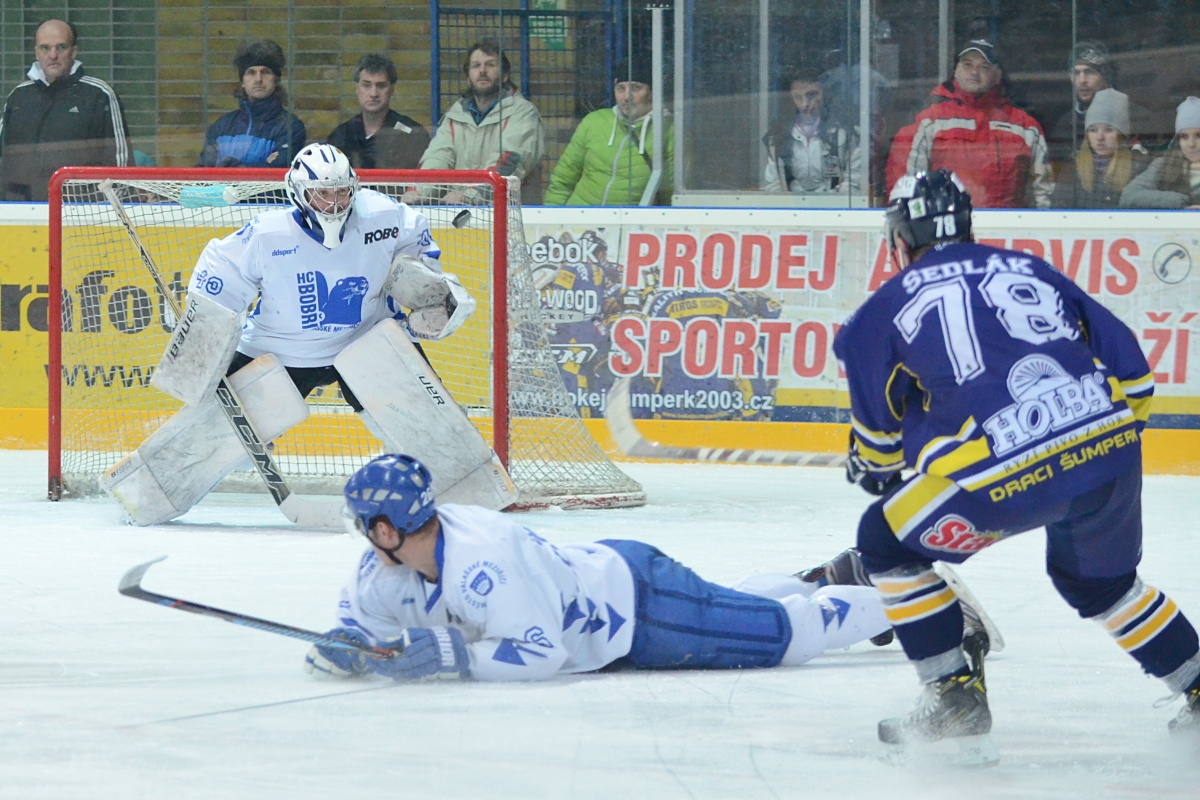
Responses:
[261,133]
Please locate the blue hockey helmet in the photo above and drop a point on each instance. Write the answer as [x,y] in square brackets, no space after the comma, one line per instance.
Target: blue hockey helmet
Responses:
[397,488]
[928,207]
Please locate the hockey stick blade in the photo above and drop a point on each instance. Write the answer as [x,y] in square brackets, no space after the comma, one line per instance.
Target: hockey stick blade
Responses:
[131,586]
[302,512]
[967,597]
[630,441]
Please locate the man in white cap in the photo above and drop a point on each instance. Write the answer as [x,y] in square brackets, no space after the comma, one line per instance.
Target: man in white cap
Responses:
[997,150]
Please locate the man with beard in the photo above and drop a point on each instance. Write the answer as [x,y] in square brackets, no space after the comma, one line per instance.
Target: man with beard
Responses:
[490,126]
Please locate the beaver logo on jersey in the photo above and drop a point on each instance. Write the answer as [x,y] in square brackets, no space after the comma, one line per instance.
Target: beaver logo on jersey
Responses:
[330,309]
[1047,399]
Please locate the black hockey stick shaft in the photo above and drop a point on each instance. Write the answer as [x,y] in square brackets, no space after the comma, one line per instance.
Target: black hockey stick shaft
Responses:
[130,586]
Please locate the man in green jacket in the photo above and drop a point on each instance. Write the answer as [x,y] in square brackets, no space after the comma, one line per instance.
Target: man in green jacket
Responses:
[608,161]
[491,125]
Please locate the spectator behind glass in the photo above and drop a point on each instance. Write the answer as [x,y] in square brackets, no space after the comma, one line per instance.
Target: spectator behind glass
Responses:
[379,138]
[610,157]
[1105,162]
[59,116]
[974,130]
[1172,181]
[490,126]
[1091,70]
[261,133]
[807,151]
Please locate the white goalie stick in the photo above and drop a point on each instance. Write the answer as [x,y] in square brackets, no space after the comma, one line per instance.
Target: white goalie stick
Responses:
[630,441]
[308,514]
[131,586]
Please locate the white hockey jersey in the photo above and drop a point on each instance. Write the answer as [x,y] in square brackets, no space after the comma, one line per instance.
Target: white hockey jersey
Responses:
[312,301]
[528,609]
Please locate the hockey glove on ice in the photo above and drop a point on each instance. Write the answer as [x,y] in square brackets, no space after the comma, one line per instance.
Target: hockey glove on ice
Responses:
[427,653]
[858,472]
[335,661]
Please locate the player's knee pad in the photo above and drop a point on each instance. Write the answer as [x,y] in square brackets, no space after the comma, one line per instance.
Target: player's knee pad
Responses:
[1092,596]
[409,409]
[185,458]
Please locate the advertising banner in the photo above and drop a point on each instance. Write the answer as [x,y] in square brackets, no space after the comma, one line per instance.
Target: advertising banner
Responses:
[734,319]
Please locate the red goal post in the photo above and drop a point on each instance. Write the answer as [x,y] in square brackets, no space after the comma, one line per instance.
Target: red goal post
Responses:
[109,325]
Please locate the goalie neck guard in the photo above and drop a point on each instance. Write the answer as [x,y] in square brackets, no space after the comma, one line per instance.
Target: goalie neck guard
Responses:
[927,208]
[321,185]
[395,488]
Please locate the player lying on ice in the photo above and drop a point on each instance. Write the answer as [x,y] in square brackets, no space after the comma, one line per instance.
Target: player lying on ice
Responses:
[329,281]
[1019,401]
[469,592]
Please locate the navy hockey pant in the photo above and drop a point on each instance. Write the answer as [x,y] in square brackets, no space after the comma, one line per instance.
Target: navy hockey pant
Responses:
[683,620]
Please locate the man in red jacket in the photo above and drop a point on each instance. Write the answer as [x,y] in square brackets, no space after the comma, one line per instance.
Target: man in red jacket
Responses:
[973,129]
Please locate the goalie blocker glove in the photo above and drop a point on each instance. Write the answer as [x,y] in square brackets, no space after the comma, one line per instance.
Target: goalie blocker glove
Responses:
[336,662]
[858,471]
[426,653]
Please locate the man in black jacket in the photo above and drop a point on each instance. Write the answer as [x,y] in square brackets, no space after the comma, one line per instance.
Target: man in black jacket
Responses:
[58,117]
[379,138]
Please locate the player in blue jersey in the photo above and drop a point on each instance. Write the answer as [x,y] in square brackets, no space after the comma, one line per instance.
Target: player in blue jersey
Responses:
[1019,402]
[469,592]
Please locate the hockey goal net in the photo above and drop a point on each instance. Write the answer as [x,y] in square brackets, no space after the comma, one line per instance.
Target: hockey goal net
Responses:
[109,325]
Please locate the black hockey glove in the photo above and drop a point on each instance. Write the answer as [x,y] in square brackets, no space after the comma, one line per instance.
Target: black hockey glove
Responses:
[858,472]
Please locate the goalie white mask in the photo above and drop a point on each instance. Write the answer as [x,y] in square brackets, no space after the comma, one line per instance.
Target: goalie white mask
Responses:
[321,184]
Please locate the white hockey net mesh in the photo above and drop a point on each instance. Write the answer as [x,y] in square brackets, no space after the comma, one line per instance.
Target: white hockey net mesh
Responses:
[115,325]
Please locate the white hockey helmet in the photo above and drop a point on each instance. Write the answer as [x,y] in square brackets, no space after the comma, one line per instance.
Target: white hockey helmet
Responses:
[321,184]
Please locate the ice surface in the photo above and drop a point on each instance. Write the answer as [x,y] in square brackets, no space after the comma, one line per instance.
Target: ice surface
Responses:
[104,696]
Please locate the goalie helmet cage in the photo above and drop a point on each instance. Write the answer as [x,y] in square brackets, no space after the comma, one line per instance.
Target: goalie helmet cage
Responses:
[109,324]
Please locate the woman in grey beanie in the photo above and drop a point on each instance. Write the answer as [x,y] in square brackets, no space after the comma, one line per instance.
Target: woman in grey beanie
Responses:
[1172,181]
[1105,162]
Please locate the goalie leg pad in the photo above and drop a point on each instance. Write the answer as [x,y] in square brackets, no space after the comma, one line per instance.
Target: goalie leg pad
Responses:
[199,351]
[411,411]
[184,459]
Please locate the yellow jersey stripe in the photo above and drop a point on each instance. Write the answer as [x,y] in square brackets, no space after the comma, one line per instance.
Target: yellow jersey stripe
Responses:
[909,506]
[863,433]
[1043,451]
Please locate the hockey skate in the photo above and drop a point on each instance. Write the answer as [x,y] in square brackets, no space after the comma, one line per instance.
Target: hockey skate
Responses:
[1188,719]
[844,569]
[952,710]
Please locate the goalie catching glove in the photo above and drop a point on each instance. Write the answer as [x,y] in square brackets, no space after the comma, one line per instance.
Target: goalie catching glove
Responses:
[438,304]
[860,472]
